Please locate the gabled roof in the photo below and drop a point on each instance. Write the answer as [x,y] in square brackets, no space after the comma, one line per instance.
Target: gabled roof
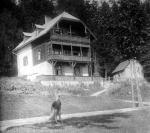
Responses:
[39,26]
[121,66]
[48,26]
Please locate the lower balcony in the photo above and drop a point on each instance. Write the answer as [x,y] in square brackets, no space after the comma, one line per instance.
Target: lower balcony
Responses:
[69,58]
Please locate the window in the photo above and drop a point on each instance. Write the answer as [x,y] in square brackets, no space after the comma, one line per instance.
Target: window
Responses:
[39,54]
[77,71]
[25,61]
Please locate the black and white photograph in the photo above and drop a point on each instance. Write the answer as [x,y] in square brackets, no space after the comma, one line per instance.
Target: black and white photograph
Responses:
[75,66]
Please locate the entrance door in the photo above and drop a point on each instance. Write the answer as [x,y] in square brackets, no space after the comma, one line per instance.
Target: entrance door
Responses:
[77,71]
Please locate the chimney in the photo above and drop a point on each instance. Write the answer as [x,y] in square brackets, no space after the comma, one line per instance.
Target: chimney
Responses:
[47,19]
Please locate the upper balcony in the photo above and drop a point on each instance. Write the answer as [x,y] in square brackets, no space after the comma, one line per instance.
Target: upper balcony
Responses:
[58,35]
[69,53]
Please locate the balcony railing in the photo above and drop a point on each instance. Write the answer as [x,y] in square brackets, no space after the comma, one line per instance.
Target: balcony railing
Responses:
[69,58]
[69,38]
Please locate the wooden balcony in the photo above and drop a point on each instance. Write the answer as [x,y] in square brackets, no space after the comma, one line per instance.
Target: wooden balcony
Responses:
[69,38]
[68,58]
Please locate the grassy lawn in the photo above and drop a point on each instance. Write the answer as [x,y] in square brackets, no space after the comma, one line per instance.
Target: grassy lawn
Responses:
[23,99]
[124,91]
[133,122]
[24,106]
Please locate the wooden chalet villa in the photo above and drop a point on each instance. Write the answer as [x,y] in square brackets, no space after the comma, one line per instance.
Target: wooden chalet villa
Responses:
[61,46]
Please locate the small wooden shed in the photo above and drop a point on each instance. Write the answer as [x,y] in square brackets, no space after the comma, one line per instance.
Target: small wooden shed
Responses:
[129,69]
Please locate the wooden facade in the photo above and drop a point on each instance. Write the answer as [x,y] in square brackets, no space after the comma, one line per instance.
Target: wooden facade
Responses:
[59,47]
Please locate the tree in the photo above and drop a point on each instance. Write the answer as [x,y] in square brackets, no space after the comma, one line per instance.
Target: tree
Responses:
[72,6]
[13,20]
[33,11]
[145,58]
[105,45]
[9,37]
[132,20]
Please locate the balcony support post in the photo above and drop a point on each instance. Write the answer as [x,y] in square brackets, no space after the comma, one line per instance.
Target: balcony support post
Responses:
[52,48]
[62,49]
[53,62]
[70,30]
[71,51]
[73,64]
[85,30]
[81,51]
[91,70]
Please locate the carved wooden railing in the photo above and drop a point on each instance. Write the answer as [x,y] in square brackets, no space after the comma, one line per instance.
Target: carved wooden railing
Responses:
[69,58]
[69,38]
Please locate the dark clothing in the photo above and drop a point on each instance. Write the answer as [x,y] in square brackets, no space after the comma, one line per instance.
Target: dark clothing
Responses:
[57,105]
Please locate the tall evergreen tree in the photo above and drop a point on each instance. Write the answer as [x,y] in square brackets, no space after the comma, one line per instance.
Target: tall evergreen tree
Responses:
[145,58]
[33,11]
[74,7]
[105,45]
[132,20]
[9,37]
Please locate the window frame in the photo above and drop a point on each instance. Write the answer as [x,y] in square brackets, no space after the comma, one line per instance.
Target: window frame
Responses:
[25,61]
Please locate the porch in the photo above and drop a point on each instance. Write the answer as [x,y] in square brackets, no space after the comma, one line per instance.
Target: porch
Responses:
[70,68]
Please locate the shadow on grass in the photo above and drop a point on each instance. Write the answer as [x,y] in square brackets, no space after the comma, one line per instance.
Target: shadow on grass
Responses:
[96,121]
[103,121]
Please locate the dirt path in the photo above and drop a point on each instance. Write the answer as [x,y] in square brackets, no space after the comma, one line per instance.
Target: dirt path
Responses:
[99,92]
[131,122]
[20,122]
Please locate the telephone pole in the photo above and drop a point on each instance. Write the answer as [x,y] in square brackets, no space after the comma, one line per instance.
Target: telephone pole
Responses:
[139,96]
[131,81]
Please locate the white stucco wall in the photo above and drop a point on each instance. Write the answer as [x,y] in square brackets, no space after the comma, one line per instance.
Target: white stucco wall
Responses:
[25,70]
[44,68]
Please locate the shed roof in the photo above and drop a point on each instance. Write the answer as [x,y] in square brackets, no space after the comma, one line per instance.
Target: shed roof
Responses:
[48,26]
[121,66]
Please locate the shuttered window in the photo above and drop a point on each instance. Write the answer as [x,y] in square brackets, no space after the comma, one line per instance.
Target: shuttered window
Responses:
[25,61]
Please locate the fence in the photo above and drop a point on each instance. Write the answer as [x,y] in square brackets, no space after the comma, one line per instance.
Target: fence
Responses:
[68,78]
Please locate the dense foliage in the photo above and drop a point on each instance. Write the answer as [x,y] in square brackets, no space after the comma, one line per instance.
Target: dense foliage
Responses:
[120,27]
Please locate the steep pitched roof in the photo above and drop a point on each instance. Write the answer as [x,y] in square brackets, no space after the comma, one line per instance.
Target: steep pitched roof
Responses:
[48,26]
[121,66]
